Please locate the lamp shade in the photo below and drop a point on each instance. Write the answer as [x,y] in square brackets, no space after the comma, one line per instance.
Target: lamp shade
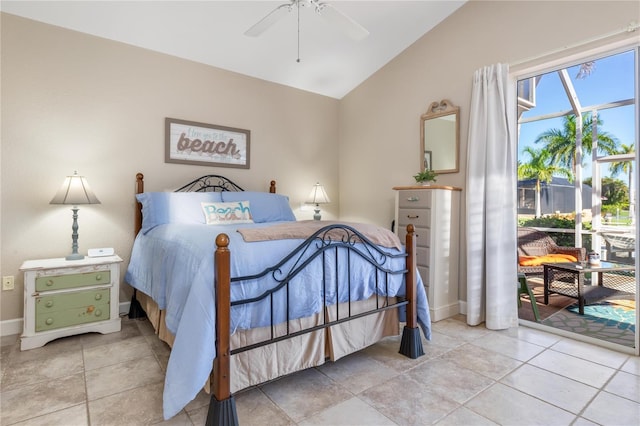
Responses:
[318,195]
[75,190]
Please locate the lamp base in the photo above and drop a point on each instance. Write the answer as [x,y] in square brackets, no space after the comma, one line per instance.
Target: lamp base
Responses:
[317,216]
[75,256]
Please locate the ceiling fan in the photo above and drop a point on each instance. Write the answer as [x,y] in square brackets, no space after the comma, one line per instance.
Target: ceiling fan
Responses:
[350,27]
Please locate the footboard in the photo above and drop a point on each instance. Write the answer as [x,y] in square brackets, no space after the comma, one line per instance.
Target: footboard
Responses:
[317,247]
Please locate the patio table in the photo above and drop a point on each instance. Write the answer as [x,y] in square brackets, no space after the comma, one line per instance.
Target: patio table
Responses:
[570,279]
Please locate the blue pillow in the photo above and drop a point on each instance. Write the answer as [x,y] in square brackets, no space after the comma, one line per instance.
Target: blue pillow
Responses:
[265,206]
[159,208]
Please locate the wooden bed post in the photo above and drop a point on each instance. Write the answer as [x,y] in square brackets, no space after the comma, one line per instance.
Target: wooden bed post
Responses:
[139,190]
[272,187]
[222,407]
[411,344]
[135,309]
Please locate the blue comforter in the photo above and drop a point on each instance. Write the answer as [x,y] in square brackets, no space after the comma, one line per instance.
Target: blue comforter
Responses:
[174,265]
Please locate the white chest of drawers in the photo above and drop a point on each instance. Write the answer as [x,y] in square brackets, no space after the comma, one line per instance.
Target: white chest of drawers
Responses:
[434,211]
[63,298]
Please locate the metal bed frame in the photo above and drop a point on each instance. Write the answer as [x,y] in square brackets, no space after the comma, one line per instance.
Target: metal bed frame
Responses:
[222,409]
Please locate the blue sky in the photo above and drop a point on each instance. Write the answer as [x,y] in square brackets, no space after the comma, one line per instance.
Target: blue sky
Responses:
[612,79]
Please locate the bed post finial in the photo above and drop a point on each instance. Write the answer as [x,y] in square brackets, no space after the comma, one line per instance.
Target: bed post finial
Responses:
[222,241]
[272,187]
[222,407]
[411,344]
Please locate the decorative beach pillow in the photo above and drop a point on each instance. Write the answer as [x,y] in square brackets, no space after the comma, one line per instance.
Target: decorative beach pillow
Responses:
[159,208]
[227,213]
[265,206]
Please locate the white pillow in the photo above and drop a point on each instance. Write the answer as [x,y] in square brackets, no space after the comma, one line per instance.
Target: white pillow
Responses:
[227,213]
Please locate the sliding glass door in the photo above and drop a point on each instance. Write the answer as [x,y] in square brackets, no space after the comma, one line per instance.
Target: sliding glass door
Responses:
[578,185]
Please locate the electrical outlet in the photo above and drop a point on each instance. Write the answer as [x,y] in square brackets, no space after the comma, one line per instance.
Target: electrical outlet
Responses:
[7,282]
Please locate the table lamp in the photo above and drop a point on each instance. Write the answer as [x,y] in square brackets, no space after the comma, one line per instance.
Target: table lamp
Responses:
[318,196]
[75,191]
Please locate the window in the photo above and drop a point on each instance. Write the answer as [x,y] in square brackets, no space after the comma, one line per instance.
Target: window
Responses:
[577,135]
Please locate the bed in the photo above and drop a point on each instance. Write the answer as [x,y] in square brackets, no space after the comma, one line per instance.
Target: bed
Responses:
[244,293]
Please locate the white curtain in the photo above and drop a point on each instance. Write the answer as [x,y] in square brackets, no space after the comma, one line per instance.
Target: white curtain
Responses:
[491,200]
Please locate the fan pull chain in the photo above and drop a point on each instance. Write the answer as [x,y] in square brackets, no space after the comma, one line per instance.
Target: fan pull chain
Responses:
[298,60]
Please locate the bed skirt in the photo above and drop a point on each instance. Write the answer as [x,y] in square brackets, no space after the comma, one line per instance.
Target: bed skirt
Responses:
[259,365]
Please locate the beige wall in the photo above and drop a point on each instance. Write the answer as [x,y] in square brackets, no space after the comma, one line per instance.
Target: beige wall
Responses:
[72,101]
[380,120]
[76,102]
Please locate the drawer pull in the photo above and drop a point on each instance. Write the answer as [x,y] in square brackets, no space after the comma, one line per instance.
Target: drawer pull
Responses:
[49,321]
[98,296]
[413,199]
[49,303]
[98,277]
[411,216]
[90,309]
[98,312]
[49,282]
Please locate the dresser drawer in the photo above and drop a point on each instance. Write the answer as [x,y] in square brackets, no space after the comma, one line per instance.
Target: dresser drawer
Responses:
[416,217]
[64,310]
[422,256]
[414,199]
[424,274]
[422,236]
[59,282]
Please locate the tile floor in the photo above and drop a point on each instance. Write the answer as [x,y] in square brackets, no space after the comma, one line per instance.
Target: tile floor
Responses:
[469,376]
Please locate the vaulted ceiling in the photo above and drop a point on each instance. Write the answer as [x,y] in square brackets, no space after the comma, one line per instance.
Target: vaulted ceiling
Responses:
[213,32]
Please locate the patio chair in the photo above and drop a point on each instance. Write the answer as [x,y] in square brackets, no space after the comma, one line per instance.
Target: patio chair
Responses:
[620,246]
[532,242]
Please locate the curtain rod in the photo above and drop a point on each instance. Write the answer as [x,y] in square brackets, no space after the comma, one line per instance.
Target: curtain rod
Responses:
[632,27]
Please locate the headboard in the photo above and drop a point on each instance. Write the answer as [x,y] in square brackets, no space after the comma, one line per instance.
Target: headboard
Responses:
[207,183]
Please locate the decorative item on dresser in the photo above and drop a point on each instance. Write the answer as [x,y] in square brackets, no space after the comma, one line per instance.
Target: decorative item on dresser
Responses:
[64,298]
[434,211]
[302,292]
[425,177]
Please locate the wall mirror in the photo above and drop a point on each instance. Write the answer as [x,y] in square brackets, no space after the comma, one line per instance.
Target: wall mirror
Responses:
[440,137]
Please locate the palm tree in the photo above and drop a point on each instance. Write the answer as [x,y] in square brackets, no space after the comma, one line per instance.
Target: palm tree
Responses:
[561,143]
[626,167]
[541,168]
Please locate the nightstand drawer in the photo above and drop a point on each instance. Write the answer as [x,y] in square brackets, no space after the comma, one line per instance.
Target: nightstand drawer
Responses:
[64,310]
[61,302]
[59,282]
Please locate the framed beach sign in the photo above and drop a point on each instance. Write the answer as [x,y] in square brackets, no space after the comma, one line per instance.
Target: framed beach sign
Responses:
[189,142]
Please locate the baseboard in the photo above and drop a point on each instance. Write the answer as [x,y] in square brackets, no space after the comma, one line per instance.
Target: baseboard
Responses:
[11,327]
[463,307]
[124,308]
[14,326]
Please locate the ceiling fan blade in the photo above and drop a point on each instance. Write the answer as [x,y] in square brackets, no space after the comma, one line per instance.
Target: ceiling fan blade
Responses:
[265,23]
[342,21]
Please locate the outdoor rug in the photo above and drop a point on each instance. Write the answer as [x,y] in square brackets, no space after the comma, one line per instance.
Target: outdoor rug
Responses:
[612,320]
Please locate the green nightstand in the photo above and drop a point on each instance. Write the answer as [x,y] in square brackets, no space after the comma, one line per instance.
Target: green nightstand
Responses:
[64,298]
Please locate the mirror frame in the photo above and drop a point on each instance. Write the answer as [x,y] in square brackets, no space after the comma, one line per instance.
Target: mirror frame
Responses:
[441,109]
